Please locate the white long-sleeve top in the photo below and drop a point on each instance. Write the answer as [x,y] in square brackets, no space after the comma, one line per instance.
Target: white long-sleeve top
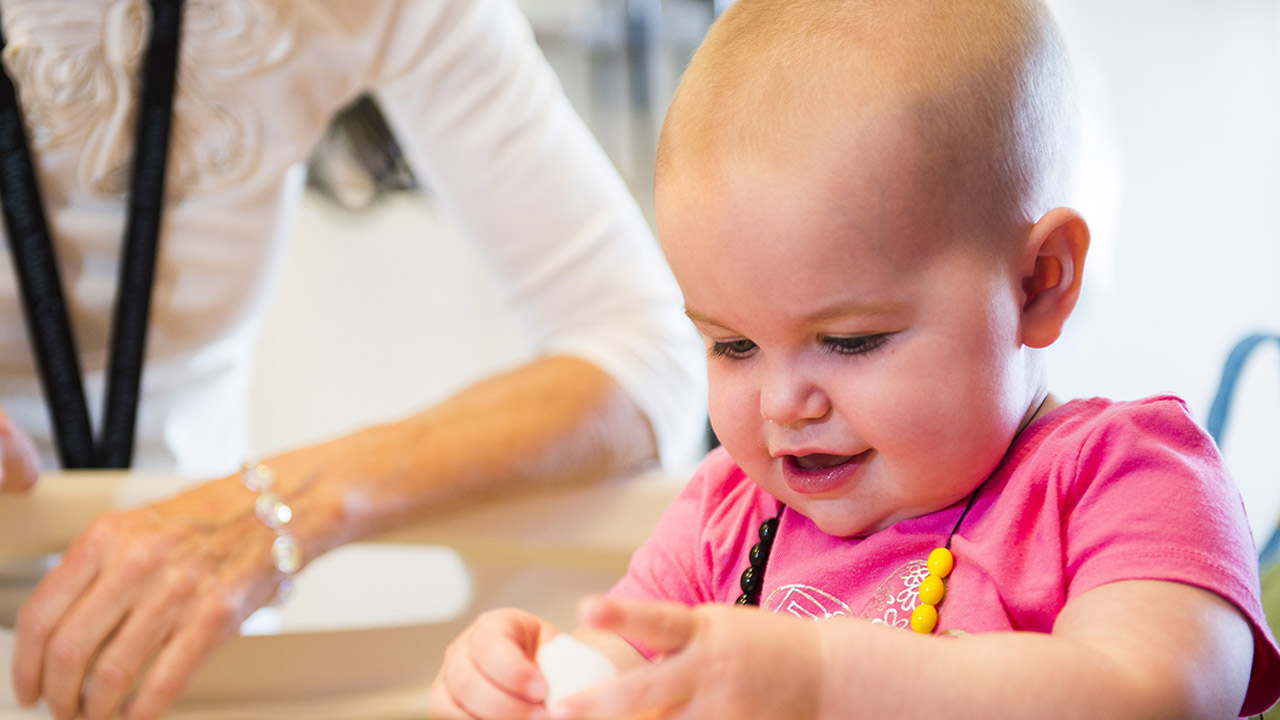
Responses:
[477,111]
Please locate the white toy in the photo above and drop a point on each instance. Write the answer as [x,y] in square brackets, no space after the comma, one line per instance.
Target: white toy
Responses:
[570,665]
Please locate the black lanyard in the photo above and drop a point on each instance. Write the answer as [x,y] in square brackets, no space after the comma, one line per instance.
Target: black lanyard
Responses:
[43,301]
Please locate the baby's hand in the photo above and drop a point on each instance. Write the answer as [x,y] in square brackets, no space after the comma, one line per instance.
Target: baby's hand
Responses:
[489,671]
[716,661]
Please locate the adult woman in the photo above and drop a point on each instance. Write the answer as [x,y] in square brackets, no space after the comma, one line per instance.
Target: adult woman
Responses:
[479,113]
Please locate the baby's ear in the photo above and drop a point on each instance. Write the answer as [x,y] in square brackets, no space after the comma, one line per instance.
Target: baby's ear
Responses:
[1052,271]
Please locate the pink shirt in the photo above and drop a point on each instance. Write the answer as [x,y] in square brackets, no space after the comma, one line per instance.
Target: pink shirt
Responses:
[1092,493]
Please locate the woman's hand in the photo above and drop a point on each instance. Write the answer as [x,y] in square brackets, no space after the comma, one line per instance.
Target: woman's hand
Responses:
[715,661]
[19,463]
[490,670]
[138,601]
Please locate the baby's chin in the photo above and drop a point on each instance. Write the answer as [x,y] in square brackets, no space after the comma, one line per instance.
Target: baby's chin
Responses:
[848,518]
[844,518]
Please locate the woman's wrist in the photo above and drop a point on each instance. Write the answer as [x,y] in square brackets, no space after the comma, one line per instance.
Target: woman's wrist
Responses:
[273,512]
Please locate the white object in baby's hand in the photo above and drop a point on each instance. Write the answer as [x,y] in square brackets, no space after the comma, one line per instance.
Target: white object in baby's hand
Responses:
[570,665]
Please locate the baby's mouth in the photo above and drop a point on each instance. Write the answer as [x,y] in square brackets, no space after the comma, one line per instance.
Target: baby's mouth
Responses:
[820,461]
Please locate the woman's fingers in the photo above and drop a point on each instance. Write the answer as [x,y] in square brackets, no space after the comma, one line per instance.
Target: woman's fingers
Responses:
[97,642]
[43,613]
[19,463]
[123,658]
[138,602]
[198,632]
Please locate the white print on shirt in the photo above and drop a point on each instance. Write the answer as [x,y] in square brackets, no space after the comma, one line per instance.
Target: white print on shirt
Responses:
[895,599]
[891,604]
[804,601]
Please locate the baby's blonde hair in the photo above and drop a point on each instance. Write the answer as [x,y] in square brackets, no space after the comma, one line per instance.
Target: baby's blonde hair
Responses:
[982,85]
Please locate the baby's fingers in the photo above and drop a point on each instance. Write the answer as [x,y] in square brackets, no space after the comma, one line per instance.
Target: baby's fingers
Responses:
[489,671]
[441,705]
[458,693]
[502,647]
[663,627]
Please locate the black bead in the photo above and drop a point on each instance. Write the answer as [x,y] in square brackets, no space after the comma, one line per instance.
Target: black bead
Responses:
[768,529]
[753,577]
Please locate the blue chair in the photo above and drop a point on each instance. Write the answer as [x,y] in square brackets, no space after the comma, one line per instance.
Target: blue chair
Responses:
[1221,410]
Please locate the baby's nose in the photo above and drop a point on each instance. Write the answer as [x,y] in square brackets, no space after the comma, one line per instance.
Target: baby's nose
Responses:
[788,399]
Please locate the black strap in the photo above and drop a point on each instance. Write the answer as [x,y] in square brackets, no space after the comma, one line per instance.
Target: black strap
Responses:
[43,299]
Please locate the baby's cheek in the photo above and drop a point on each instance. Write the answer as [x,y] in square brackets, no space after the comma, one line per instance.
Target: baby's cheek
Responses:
[735,416]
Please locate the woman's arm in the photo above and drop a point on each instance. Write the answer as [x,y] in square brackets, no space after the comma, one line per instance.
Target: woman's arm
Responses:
[557,421]
[172,580]
[617,381]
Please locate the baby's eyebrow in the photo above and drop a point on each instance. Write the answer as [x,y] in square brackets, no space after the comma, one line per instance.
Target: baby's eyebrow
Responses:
[833,312]
[700,318]
[696,316]
[856,309]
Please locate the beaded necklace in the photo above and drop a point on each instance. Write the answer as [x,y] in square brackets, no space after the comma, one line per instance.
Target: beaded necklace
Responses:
[932,588]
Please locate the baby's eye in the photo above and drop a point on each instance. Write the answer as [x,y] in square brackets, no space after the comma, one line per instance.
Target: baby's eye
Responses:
[732,348]
[856,345]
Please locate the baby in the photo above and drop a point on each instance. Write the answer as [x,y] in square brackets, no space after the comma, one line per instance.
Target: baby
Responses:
[862,202]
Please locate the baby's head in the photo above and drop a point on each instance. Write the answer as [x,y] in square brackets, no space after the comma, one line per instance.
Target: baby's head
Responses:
[859,199]
[970,101]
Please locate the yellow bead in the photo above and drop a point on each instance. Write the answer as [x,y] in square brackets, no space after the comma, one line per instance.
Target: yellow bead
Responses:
[932,590]
[940,562]
[924,619]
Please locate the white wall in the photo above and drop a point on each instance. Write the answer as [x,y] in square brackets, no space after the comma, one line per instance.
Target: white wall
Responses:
[380,313]
[1187,94]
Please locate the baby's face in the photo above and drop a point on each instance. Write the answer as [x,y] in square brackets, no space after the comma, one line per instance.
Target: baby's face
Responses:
[863,367]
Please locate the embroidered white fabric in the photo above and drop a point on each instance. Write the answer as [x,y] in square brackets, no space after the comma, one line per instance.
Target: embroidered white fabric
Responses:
[476,109]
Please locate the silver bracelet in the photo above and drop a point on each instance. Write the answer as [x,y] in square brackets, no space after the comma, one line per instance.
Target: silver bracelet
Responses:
[286,550]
